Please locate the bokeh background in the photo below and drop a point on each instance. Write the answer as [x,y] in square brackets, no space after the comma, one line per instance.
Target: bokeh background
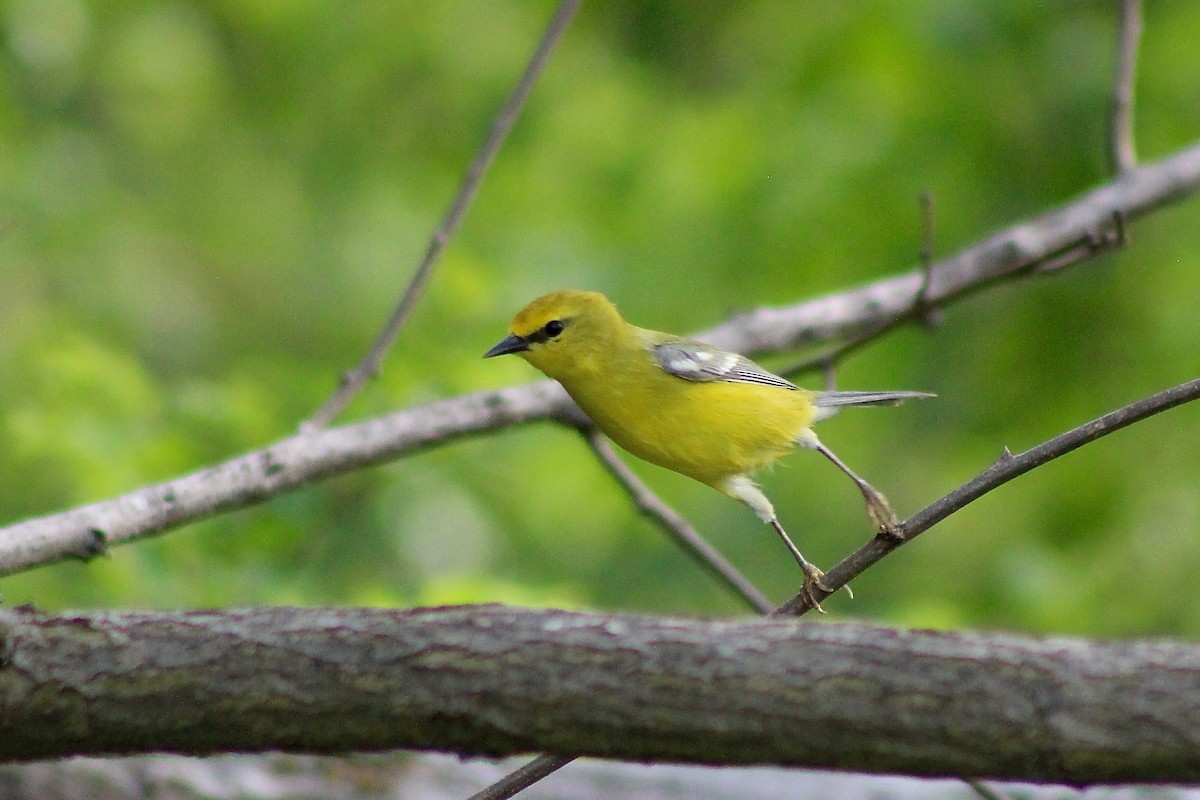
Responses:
[207,210]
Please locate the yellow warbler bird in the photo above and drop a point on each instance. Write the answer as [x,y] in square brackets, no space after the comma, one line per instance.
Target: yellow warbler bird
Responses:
[700,411]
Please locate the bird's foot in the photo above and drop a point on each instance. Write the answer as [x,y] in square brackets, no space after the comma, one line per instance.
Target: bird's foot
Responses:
[815,588]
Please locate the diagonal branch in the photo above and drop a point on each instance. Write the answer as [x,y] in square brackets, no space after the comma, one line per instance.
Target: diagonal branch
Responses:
[353,382]
[1005,469]
[1012,253]
[312,456]
[523,777]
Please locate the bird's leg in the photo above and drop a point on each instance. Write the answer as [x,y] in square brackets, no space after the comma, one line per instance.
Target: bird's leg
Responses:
[878,508]
[742,488]
[812,573]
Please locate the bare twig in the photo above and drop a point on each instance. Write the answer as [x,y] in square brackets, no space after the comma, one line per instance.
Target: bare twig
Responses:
[1007,467]
[675,525]
[352,382]
[1122,155]
[523,777]
[983,790]
[829,373]
[926,200]
[1111,234]
[928,315]
[1006,255]
[826,360]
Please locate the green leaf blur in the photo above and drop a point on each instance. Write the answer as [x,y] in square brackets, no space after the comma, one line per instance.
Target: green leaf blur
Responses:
[207,210]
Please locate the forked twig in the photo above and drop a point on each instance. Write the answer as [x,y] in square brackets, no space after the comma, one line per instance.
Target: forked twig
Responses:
[353,381]
[1107,237]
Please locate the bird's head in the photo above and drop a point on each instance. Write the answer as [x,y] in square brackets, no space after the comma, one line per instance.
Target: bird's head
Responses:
[563,333]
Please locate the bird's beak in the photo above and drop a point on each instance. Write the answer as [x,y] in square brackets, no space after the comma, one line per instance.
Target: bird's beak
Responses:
[509,344]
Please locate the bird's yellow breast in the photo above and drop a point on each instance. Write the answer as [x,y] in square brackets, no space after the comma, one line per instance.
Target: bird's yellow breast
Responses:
[705,430]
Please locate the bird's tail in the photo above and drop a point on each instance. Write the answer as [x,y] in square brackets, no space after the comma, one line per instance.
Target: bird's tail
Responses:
[829,403]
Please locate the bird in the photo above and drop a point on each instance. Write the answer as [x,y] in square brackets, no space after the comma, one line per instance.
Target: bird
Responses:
[712,415]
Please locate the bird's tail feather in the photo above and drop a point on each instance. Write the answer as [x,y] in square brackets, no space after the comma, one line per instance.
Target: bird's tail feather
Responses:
[829,403]
[825,399]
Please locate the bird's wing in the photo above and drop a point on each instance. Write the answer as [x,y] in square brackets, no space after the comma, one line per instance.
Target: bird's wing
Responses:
[696,361]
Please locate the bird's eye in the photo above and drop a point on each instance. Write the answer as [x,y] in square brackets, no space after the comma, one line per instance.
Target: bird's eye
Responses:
[554,327]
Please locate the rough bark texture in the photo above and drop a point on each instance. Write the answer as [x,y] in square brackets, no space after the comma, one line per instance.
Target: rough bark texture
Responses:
[489,679]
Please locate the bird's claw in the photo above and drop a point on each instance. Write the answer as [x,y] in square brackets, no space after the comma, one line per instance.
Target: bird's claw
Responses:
[815,587]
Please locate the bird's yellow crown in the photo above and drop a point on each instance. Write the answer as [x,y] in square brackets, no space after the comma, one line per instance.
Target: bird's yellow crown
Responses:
[565,306]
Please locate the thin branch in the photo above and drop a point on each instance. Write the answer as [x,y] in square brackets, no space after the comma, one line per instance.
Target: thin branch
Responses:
[353,382]
[1108,236]
[929,316]
[983,790]
[926,200]
[674,524]
[305,458]
[523,777]
[1122,154]
[1006,255]
[1006,468]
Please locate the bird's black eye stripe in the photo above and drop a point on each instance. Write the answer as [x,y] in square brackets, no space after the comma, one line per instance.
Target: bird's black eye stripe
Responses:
[548,331]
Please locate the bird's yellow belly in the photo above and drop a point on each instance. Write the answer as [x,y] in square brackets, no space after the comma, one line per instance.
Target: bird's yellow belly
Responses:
[707,431]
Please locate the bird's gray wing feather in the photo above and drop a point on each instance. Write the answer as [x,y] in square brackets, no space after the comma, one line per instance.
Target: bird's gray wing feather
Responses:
[696,361]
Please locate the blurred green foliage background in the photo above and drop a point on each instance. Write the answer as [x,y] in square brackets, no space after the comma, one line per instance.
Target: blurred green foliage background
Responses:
[207,210]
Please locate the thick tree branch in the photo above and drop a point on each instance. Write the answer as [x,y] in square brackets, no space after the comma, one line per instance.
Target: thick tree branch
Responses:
[489,679]
[309,457]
